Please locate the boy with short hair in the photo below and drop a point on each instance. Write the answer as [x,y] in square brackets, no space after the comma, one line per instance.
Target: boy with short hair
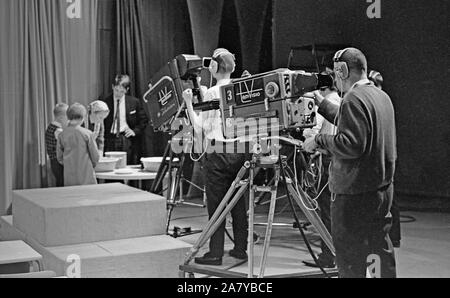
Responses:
[51,137]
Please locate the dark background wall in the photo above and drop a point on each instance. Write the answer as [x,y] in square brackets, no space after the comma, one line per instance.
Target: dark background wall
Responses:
[409,46]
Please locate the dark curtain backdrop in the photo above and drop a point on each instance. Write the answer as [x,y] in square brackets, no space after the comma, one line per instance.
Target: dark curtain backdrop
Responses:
[46,58]
[131,44]
[236,25]
[139,37]
[206,18]
[205,21]
[130,52]
[251,18]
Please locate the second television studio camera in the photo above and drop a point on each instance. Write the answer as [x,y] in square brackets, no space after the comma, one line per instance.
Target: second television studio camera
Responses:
[164,98]
[166,106]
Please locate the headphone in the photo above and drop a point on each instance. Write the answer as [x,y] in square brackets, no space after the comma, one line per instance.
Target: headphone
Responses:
[341,67]
[217,61]
[376,78]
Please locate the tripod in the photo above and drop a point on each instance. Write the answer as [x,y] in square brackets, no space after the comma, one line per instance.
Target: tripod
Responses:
[229,201]
[308,174]
[172,168]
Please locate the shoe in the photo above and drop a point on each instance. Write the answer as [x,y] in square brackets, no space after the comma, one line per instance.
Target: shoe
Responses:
[238,254]
[322,262]
[207,259]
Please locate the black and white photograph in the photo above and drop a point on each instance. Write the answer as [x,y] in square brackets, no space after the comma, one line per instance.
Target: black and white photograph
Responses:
[224,145]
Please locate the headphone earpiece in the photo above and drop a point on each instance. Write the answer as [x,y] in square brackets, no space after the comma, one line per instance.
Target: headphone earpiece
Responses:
[216,61]
[341,67]
[213,66]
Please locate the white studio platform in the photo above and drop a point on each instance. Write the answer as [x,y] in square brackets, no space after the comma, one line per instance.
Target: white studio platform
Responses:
[116,230]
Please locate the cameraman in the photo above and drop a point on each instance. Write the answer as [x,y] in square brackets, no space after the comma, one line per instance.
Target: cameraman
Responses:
[220,168]
[362,169]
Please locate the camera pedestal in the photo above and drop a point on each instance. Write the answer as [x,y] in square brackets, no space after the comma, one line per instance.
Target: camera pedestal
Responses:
[240,186]
[172,166]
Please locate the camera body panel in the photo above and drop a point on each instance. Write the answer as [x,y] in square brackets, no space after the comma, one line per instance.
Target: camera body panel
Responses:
[164,98]
[251,104]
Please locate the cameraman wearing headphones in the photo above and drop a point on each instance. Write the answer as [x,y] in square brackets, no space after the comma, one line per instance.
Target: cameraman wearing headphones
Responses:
[221,167]
[362,170]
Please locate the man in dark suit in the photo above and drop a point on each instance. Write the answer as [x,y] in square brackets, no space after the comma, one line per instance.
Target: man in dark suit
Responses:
[125,124]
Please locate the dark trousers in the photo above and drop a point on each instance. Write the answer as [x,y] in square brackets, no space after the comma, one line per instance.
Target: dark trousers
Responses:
[122,144]
[58,172]
[324,202]
[395,233]
[220,170]
[360,228]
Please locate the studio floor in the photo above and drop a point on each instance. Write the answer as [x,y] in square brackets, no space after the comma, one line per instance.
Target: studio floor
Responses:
[424,251]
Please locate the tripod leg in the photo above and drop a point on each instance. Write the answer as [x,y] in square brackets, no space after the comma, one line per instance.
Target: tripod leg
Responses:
[170,201]
[178,184]
[303,202]
[251,215]
[179,181]
[221,212]
[169,216]
[162,170]
[273,202]
[174,180]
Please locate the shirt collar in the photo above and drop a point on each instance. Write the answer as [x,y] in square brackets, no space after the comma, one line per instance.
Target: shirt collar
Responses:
[223,82]
[360,83]
[120,100]
[57,124]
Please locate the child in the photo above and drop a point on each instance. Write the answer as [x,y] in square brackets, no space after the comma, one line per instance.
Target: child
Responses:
[77,149]
[98,111]
[51,138]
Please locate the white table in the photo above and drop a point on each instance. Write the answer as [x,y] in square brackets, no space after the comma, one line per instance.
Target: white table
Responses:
[13,252]
[136,174]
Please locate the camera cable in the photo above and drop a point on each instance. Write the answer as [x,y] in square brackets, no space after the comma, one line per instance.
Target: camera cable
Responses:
[308,245]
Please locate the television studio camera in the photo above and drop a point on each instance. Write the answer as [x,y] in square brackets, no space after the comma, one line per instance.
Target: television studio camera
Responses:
[166,106]
[164,97]
[277,94]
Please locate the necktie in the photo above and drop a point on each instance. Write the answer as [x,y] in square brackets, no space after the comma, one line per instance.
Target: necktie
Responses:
[117,119]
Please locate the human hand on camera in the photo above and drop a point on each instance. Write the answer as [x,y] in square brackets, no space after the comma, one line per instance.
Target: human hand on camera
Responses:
[310,145]
[187,96]
[318,97]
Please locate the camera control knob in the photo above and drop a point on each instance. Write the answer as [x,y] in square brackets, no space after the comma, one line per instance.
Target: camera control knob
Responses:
[272,90]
